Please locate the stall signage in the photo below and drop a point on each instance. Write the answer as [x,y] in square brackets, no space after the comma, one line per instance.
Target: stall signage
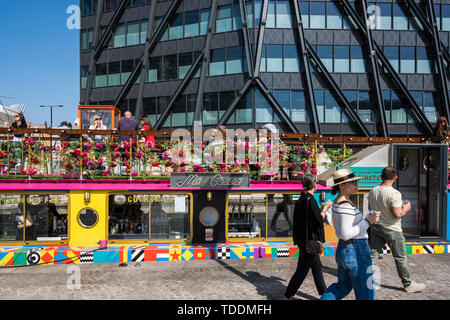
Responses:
[209,180]
[371,176]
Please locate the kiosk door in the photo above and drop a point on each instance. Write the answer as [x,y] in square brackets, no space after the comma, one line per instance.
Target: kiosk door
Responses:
[422,172]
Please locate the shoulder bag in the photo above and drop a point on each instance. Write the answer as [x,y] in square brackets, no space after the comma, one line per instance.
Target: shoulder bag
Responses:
[312,246]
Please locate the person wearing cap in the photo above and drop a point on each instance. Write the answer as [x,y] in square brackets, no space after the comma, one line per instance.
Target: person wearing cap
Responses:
[353,252]
[389,229]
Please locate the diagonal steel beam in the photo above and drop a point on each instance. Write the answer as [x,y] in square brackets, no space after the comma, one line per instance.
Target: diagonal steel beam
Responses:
[205,64]
[275,105]
[234,103]
[342,100]
[248,49]
[427,26]
[91,70]
[144,69]
[437,47]
[110,28]
[189,75]
[259,47]
[153,42]
[394,77]
[303,53]
[375,73]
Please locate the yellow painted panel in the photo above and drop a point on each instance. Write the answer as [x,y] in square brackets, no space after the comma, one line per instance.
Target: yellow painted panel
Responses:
[80,236]
[330,234]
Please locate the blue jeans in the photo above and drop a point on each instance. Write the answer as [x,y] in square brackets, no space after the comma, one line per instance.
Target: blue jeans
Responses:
[354,272]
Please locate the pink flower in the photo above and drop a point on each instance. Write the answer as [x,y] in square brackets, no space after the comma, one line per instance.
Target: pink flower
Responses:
[308,153]
[313,171]
[87,146]
[304,164]
[116,154]
[134,174]
[149,144]
[257,165]
[139,155]
[301,174]
[99,162]
[5,169]
[165,154]
[90,163]
[41,147]
[106,172]
[99,145]
[31,171]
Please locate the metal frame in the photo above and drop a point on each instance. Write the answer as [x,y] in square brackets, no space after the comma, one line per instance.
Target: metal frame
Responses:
[151,45]
[375,73]
[394,77]
[144,69]
[303,53]
[205,64]
[92,61]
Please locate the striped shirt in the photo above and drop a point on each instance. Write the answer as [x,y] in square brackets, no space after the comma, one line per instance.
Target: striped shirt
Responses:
[349,223]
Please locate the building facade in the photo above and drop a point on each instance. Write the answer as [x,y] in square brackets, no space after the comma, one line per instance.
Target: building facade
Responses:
[345,67]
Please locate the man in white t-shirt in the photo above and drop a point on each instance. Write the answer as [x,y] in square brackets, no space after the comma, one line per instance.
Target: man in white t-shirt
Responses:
[388,229]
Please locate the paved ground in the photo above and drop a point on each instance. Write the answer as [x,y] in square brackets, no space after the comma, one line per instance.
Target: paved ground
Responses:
[259,279]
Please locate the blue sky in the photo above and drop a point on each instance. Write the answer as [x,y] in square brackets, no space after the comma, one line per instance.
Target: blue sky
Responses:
[39,58]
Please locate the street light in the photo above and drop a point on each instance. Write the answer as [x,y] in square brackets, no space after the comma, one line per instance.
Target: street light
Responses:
[51,112]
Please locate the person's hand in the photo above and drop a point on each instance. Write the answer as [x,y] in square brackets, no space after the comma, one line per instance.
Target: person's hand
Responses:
[374,217]
[406,207]
[327,204]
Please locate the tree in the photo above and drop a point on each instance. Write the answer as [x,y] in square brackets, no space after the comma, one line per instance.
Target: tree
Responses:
[65,124]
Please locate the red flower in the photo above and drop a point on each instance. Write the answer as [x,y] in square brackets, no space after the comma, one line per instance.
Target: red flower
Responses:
[77,152]
[155,164]
[84,161]
[12,162]
[201,170]
[127,154]
[64,144]
[35,161]
[23,172]
[168,164]
[69,166]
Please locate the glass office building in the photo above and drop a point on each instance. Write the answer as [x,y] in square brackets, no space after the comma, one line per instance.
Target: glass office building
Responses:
[307,66]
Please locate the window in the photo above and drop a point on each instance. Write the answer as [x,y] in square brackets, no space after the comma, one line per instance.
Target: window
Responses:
[385,16]
[263,108]
[111,5]
[169,67]
[320,104]
[258,12]
[84,76]
[334,18]
[101,75]
[114,73]
[317,18]
[325,54]
[247,216]
[400,19]
[225,99]
[391,54]
[364,107]
[407,60]
[423,64]
[283,98]
[284,19]
[119,36]
[387,104]
[274,58]
[176,28]
[304,10]
[184,64]
[224,20]
[191,24]
[429,107]
[332,109]
[210,108]
[271,22]
[144,29]
[341,59]
[298,105]
[398,112]
[445,17]
[179,112]
[237,21]
[244,109]
[234,58]
[357,61]
[217,65]
[191,102]
[250,13]
[33,217]
[127,68]
[204,20]
[133,33]
[291,63]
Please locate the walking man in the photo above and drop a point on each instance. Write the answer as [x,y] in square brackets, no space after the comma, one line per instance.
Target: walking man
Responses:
[388,229]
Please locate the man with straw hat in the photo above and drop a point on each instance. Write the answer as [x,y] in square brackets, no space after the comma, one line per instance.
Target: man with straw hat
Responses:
[353,252]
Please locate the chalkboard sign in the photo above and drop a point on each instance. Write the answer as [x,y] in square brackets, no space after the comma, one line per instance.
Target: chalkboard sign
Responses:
[87,218]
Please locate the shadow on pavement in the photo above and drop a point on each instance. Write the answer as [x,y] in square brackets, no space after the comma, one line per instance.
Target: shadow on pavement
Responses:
[270,287]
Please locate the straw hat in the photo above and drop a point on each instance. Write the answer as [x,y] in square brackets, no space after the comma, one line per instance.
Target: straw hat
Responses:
[344,175]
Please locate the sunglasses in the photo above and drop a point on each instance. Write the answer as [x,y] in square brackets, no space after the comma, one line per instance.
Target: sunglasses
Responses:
[98,118]
[355,182]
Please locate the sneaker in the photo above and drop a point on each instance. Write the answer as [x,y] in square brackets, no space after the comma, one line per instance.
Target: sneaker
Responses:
[415,287]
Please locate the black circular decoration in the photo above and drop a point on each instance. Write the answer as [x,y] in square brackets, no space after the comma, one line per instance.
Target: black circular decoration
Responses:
[209,216]
[87,218]
[33,258]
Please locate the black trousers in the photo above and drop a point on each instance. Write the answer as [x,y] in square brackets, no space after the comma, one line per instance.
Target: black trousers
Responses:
[305,262]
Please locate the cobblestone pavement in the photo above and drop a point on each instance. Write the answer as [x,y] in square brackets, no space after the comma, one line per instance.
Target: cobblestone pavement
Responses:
[259,279]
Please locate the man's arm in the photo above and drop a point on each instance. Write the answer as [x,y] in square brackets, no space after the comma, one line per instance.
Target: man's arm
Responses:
[399,209]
